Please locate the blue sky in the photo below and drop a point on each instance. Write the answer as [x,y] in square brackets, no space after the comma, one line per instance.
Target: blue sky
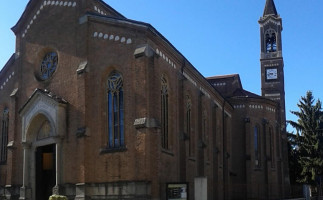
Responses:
[221,37]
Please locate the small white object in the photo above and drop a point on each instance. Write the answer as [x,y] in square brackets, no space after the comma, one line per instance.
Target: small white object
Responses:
[129,41]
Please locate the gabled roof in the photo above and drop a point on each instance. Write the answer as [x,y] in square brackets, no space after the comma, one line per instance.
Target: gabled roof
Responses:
[239,92]
[45,93]
[8,64]
[33,3]
[270,8]
[235,89]
[228,77]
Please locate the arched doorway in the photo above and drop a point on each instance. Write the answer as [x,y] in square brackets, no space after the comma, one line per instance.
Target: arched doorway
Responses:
[43,130]
[41,157]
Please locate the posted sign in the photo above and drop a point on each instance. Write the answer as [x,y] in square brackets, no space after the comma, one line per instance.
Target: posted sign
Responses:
[177,191]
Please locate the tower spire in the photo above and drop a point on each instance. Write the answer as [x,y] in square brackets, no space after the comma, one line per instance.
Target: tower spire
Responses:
[270,8]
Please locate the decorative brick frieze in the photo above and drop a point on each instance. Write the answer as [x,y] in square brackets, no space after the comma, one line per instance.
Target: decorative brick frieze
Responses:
[219,84]
[4,83]
[166,58]
[256,106]
[270,109]
[100,11]
[239,106]
[112,37]
[45,4]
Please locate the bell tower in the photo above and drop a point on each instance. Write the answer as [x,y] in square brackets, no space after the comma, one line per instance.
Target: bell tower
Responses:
[272,79]
[271,58]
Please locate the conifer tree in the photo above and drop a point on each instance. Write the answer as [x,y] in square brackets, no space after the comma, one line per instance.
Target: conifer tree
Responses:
[309,139]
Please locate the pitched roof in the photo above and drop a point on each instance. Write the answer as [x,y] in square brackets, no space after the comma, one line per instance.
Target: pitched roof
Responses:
[45,93]
[270,8]
[244,93]
[32,4]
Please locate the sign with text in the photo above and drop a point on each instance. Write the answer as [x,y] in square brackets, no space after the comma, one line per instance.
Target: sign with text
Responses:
[177,191]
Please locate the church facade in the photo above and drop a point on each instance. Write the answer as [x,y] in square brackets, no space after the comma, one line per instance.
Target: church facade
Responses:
[97,106]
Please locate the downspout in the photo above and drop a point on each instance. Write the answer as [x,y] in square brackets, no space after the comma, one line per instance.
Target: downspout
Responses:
[223,150]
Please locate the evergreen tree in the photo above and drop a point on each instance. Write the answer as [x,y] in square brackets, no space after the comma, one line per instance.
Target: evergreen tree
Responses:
[309,139]
[295,168]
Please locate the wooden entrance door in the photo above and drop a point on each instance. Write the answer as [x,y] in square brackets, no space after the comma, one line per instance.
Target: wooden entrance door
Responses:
[45,171]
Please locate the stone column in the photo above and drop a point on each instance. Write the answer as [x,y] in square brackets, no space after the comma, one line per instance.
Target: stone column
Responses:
[25,191]
[56,188]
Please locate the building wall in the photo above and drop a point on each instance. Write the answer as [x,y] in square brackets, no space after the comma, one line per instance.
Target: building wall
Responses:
[219,145]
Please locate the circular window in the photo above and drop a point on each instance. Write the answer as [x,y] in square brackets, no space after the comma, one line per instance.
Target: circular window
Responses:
[48,65]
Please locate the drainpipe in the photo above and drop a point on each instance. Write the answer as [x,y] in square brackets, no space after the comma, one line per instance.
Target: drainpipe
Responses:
[223,150]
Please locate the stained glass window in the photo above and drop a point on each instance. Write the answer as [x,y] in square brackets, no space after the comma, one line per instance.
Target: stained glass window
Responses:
[257,146]
[48,65]
[115,111]
[4,136]
[164,113]
[188,125]
[271,146]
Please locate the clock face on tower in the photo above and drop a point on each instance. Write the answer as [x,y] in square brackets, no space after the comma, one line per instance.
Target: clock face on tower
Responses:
[271,74]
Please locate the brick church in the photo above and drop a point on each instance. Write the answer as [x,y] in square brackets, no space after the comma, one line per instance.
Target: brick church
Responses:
[97,106]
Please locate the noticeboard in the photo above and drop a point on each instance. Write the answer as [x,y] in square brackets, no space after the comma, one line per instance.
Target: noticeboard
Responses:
[177,191]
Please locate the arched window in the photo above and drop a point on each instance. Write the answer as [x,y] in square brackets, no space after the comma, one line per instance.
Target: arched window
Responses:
[272,147]
[270,37]
[257,146]
[4,136]
[164,113]
[205,134]
[188,125]
[115,111]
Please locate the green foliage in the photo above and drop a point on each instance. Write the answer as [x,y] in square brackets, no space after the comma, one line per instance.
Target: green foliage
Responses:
[293,154]
[309,139]
[57,197]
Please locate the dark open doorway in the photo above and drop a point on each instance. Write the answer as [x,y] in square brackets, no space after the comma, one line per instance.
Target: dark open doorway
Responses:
[45,171]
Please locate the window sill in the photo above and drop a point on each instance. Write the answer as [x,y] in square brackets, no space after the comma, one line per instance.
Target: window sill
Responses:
[112,150]
[167,151]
